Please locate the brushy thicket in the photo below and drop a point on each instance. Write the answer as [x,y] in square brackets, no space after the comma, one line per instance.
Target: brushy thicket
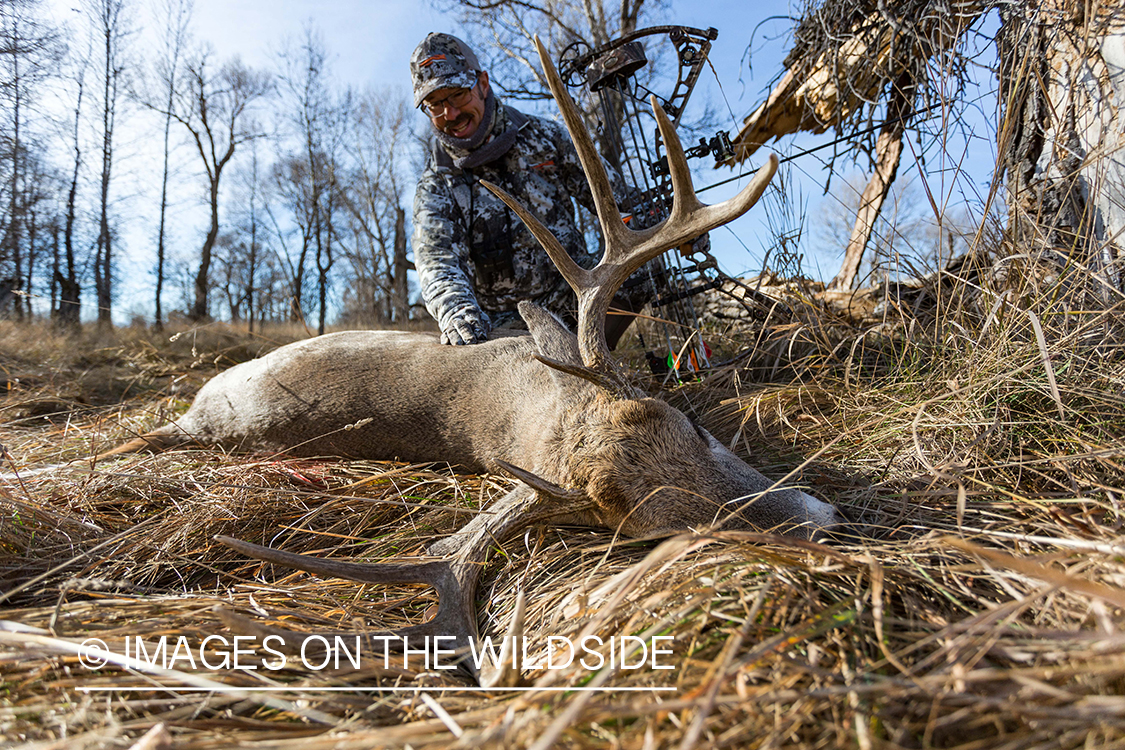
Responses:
[975,440]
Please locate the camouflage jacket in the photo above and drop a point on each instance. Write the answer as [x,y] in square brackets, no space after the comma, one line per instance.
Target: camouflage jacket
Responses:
[472,252]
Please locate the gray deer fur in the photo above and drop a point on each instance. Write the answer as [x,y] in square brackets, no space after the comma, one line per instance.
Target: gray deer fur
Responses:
[389,395]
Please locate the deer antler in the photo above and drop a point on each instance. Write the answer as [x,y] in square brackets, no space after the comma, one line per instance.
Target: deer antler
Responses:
[626,250]
[455,577]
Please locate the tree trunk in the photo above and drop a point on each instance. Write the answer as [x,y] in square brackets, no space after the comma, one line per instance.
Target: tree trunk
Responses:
[296,301]
[401,289]
[252,261]
[199,308]
[69,289]
[158,315]
[105,291]
[56,269]
[178,15]
[324,263]
[15,254]
[888,152]
[32,227]
[11,249]
[322,287]
[1062,140]
[104,276]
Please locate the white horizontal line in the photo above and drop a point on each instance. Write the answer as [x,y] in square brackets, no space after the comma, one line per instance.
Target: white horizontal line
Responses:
[232,689]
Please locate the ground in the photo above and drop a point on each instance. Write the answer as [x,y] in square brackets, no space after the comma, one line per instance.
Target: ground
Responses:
[979,605]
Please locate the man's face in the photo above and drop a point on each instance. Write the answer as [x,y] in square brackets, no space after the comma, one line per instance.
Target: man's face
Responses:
[458,121]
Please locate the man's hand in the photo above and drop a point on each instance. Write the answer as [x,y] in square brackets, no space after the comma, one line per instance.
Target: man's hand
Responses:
[468,326]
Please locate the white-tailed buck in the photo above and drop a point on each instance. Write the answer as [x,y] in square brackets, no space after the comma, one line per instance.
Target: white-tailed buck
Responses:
[552,409]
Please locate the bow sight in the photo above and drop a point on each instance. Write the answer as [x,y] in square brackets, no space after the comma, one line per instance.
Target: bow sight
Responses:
[610,74]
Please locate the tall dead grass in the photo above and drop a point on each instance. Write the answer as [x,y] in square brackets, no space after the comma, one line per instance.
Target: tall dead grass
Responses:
[976,443]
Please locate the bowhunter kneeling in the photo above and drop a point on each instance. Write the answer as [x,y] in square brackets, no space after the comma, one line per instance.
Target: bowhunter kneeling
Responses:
[476,261]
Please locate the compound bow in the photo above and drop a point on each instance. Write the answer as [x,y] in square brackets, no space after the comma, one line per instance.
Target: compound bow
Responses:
[609,73]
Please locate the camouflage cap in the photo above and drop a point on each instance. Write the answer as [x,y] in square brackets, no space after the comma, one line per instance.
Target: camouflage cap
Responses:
[442,61]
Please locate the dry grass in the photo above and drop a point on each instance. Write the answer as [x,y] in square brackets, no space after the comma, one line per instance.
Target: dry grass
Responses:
[979,450]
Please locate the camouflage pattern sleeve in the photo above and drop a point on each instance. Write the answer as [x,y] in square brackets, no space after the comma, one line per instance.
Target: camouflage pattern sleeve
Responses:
[440,257]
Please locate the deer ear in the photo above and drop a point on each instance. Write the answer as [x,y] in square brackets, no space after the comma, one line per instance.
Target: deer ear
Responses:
[558,349]
[553,339]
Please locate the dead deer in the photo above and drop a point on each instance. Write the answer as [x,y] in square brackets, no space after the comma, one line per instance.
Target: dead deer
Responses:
[552,409]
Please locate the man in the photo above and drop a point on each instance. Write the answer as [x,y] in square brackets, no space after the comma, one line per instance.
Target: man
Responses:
[475,259]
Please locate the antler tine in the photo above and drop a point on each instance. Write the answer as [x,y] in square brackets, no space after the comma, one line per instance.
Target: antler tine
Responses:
[437,573]
[429,572]
[690,217]
[454,581]
[613,228]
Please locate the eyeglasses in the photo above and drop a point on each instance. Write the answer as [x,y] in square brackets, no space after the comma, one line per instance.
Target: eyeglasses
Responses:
[457,100]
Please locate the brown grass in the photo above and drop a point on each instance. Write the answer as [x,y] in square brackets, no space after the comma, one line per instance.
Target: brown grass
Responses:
[982,459]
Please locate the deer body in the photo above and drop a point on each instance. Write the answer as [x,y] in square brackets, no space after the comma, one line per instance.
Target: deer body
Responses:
[414,399]
[388,395]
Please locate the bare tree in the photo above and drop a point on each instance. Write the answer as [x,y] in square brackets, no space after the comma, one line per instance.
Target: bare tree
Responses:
[229,277]
[176,16]
[67,277]
[38,208]
[271,288]
[213,107]
[315,122]
[291,183]
[27,47]
[380,136]
[253,189]
[326,235]
[240,249]
[111,30]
